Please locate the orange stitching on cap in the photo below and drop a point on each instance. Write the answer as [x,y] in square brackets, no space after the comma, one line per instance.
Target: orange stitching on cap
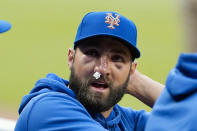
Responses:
[112,21]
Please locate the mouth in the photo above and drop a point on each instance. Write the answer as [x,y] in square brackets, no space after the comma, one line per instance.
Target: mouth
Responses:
[99,86]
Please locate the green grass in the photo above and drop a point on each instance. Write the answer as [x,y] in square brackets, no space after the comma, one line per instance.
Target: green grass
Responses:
[43,30]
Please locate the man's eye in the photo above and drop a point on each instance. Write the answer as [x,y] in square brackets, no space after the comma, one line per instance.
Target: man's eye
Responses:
[92,52]
[117,58]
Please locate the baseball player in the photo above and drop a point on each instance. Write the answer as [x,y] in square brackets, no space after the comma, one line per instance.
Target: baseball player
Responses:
[103,68]
[176,108]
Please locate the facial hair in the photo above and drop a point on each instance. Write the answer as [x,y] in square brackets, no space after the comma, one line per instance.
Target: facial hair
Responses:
[95,101]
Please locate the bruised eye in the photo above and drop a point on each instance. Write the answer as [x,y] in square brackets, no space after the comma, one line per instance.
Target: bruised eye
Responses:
[92,53]
[117,58]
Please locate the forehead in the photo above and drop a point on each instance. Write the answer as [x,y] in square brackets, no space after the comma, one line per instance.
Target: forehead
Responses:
[106,43]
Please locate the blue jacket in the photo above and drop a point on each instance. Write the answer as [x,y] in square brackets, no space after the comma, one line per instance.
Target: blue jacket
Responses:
[176,108]
[52,106]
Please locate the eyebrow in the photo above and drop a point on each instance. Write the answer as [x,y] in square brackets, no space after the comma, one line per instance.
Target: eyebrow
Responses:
[119,52]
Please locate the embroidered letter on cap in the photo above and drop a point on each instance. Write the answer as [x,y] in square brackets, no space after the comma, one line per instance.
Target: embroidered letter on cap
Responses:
[112,21]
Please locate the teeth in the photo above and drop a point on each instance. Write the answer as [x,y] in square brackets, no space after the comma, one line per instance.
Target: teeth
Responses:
[96,75]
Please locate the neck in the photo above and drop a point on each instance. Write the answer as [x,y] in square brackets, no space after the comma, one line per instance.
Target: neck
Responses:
[107,113]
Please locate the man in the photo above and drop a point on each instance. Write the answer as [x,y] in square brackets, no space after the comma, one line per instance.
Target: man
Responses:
[102,67]
[176,108]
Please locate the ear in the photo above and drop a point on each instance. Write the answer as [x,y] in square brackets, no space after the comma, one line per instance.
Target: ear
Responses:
[133,67]
[71,53]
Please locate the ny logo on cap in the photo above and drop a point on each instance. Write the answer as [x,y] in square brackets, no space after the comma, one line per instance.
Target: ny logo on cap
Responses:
[112,21]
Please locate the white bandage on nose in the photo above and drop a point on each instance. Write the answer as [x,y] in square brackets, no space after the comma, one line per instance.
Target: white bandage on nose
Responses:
[97,75]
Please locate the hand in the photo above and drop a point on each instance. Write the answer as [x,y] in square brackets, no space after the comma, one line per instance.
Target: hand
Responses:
[144,88]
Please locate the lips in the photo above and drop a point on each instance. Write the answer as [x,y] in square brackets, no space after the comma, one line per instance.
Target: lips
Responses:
[99,84]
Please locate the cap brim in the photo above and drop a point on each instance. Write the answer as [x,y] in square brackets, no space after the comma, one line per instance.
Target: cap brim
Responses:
[4,26]
[134,51]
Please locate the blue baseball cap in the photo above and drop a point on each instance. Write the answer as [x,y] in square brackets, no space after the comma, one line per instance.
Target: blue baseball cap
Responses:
[4,26]
[109,24]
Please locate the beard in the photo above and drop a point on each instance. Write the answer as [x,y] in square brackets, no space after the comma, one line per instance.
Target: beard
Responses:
[96,101]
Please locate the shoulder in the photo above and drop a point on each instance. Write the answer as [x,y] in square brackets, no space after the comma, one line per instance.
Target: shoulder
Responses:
[56,111]
[55,100]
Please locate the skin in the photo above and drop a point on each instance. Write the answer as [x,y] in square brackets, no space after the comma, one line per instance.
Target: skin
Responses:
[106,55]
[144,88]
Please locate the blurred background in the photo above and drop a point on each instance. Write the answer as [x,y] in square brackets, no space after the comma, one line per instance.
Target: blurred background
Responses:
[43,30]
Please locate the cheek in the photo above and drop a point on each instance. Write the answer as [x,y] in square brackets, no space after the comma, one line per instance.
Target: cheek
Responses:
[84,66]
[119,66]
[120,73]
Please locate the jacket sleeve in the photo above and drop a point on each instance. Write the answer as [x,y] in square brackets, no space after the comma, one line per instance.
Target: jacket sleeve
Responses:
[58,112]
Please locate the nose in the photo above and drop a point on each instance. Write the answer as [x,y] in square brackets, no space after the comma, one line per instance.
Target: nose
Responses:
[102,66]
